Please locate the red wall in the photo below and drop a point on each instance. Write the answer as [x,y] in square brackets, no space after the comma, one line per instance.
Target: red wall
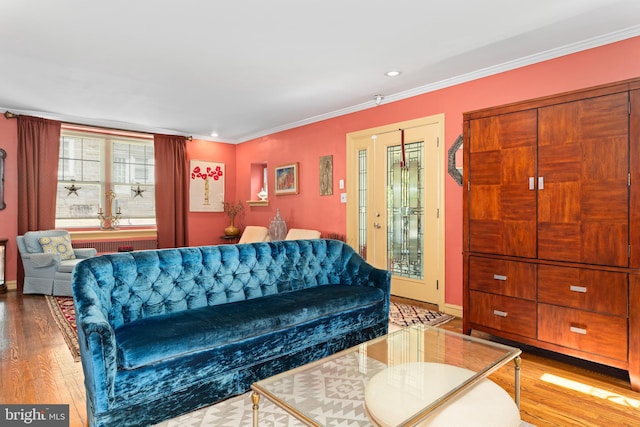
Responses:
[9,215]
[205,228]
[617,61]
[306,144]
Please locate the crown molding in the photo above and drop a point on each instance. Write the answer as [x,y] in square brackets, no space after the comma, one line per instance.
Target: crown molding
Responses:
[464,78]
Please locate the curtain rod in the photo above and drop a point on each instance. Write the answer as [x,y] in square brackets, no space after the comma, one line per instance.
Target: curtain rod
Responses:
[9,115]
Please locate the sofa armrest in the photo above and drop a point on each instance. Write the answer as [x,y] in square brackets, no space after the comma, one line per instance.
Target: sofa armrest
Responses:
[43,260]
[97,338]
[85,252]
[358,272]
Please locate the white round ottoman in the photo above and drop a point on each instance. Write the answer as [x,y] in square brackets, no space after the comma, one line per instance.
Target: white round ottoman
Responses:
[398,392]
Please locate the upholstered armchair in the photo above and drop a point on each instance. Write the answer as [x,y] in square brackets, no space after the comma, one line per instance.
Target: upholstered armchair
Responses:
[301,233]
[48,260]
[254,233]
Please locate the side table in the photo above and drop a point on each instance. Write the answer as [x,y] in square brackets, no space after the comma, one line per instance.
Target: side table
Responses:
[230,239]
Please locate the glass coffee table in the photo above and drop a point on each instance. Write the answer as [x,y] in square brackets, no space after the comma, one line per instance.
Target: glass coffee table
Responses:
[397,379]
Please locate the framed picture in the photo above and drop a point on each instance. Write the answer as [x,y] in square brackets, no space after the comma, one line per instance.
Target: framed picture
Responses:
[207,186]
[326,175]
[286,181]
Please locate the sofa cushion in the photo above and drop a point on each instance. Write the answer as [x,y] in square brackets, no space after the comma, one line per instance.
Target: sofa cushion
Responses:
[154,339]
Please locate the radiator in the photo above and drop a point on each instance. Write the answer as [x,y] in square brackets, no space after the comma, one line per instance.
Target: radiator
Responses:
[103,246]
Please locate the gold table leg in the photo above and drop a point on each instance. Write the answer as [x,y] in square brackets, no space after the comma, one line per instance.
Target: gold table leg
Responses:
[255,398]
[517,361]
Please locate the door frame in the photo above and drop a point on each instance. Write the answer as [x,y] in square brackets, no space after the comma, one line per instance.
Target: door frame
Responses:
[352,140]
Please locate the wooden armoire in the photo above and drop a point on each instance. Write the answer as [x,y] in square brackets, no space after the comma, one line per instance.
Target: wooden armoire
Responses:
[552,223]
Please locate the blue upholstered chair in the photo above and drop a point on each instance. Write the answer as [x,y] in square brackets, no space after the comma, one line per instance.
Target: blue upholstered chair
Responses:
[48,260]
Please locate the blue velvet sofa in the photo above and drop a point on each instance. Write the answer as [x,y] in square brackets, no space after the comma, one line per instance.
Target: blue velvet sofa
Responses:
[164,332]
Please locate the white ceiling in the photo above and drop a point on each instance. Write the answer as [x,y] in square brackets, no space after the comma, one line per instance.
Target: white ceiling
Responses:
[248,68]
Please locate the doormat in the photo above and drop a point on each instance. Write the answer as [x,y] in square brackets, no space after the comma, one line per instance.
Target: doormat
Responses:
[407,315]
[64,313]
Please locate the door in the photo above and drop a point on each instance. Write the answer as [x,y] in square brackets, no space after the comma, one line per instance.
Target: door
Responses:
[583,183]
[394,211]
[502,196]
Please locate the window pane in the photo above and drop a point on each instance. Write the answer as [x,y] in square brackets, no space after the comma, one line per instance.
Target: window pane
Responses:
[83,171]
[82,203]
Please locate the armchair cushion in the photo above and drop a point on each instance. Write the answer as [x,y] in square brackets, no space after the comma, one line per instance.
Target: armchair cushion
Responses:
[32,239]
[254,233]
[60,245]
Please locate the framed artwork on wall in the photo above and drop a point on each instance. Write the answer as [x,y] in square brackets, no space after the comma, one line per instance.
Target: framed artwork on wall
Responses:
[206,191]
[286,181]
[326,175]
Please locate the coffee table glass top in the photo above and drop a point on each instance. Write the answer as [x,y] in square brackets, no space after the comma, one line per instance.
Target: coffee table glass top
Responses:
[413,370]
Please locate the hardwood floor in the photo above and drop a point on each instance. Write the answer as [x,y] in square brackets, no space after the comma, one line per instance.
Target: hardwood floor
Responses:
[36,367]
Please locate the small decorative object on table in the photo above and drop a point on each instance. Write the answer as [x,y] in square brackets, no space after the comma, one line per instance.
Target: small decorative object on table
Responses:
[109,221]
[277,228]
[232,209]
[262,195]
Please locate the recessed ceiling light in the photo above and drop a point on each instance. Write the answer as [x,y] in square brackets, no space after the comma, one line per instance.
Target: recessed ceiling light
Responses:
[214,134]
[392,73]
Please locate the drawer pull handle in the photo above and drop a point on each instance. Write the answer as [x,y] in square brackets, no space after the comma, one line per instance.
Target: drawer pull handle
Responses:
[577,330]
[499,277]
[500,313]
[581,289]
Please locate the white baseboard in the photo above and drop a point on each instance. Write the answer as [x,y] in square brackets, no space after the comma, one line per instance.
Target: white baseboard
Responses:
[454,310]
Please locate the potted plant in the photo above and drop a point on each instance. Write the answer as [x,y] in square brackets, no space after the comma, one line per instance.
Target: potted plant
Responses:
[232,209]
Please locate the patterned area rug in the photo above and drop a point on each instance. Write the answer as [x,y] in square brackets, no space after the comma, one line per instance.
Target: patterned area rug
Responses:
[324,395]
[407,315]
[64,314]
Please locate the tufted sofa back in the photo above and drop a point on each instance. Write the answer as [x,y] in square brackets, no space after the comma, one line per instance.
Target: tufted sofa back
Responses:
[134,285]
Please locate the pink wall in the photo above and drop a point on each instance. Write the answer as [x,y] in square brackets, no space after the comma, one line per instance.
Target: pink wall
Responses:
[617,61]
[306,144]
[9,215]
[205,228]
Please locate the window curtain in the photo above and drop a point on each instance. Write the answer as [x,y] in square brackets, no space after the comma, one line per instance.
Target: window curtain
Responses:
[172,190]
[38,152]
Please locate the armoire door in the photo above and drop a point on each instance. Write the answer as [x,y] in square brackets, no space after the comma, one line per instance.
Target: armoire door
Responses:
[583,181]
[502,196]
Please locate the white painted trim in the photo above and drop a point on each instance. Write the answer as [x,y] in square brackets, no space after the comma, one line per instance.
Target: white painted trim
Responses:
[454,310]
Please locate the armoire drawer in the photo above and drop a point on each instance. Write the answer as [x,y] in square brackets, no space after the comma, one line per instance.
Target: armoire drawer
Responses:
[591,290]
[497,276]
[508,314]
[582,330]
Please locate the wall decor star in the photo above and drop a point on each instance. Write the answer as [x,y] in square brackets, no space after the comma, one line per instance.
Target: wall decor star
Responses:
[138,192]
[72,189]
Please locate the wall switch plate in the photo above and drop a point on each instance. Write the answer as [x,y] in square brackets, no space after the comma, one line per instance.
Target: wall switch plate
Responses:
[343,197]
[341,184]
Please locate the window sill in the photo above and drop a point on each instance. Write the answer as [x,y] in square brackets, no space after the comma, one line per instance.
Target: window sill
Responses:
[124,234]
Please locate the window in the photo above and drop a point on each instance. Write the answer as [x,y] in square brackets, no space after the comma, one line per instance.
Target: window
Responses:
[97,170]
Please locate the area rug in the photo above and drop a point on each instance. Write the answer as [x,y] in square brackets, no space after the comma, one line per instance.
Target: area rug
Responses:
[64,314]
[407,315]
[333,395]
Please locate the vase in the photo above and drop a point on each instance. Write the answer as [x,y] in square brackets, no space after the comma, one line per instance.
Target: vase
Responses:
[277,228]
[232,230]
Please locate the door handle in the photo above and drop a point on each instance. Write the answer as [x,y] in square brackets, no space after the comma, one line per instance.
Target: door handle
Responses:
[376,225]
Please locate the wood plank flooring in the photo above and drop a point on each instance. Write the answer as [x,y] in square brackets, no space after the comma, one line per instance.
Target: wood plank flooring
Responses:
[37,367]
